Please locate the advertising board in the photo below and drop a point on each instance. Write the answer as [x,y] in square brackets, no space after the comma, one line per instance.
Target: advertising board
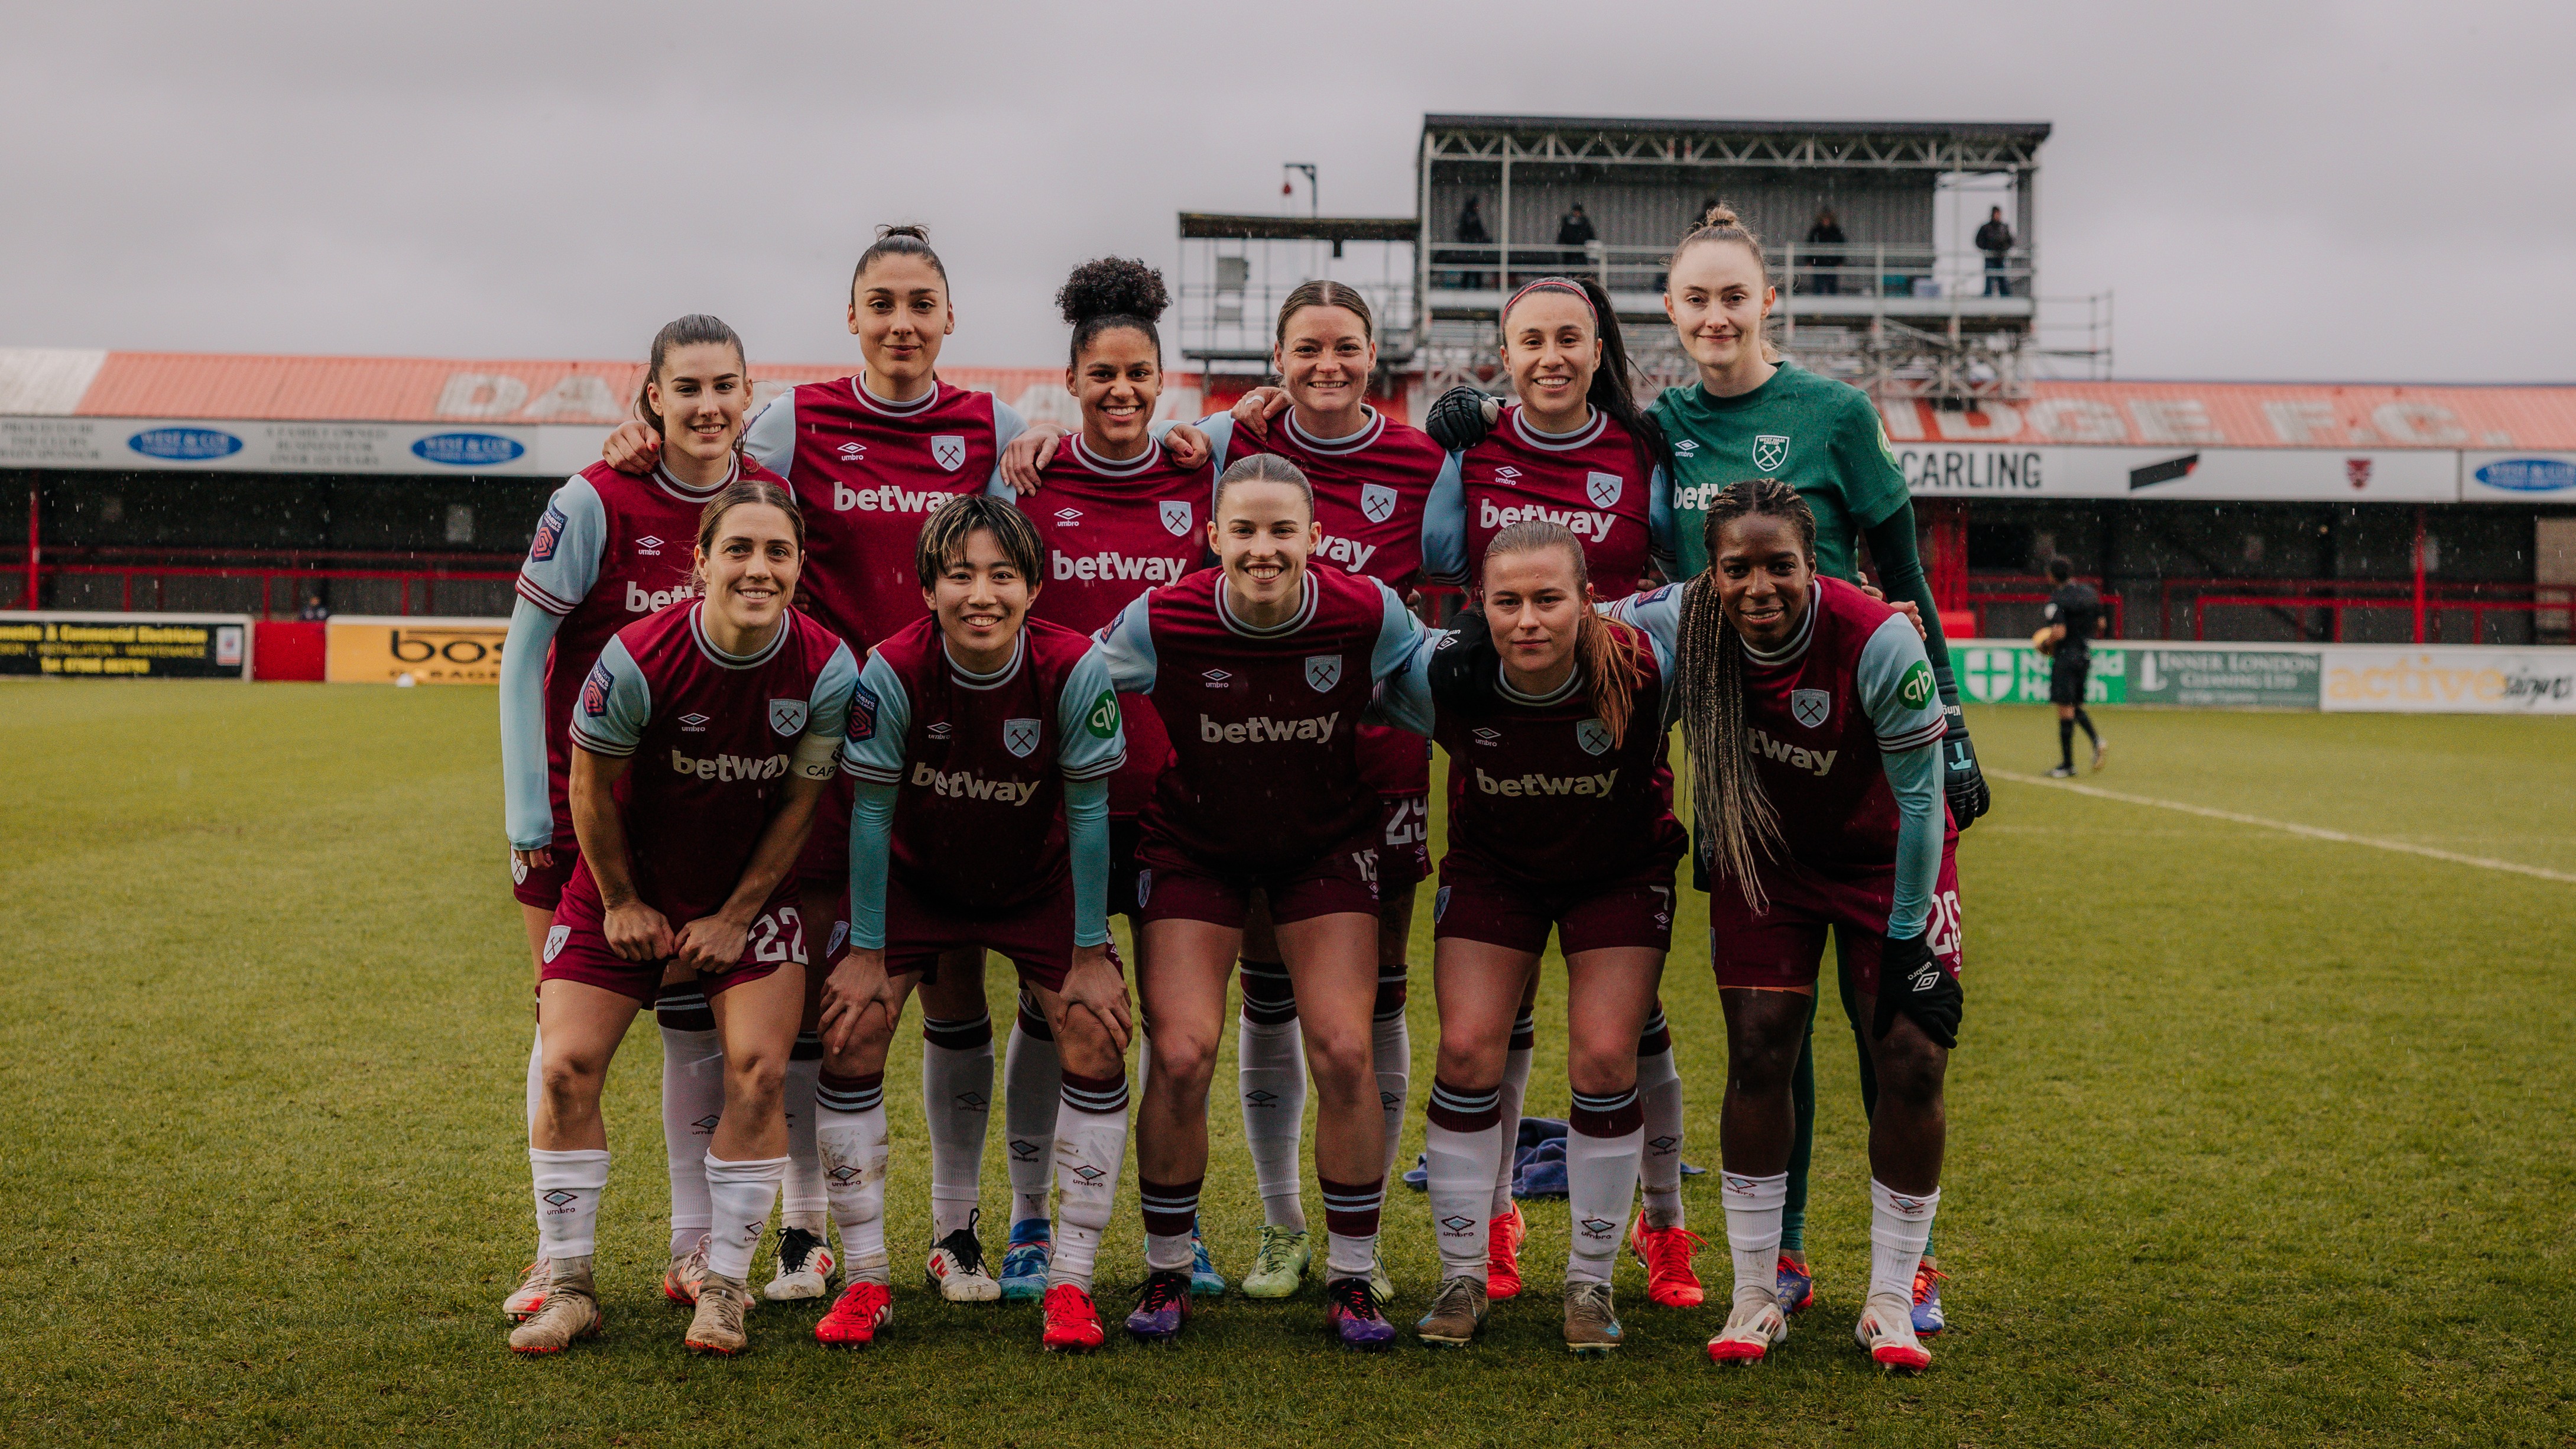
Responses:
[125,646]
[387,648]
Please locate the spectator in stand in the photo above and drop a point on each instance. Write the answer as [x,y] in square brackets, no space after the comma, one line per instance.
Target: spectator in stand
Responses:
[1996,240]
[314,610]
[1471,232]
[1573,233]
[1827,232]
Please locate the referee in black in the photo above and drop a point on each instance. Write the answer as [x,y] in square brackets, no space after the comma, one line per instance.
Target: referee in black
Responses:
[2074,612]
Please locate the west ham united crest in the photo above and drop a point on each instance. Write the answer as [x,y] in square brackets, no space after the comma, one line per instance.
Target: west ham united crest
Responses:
[787,716]
[1593,735]
[1176,517]
[1377,502]
[1810,707]
[1603,488]
[1020,736]
[1323,671]
[1770,450]
[948,451]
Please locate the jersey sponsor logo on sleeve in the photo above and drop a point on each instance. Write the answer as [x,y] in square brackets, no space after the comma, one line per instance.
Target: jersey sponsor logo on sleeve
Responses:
[1323,671]
[1916,687]
[549,533]
[948,450]
[1593,735]
[863,713]
[1102,720]
[1811,707]
[594,690]
[787,716]
[1603,488]
[1377,502]
[1176,517]
[1770,450]
[1020,736]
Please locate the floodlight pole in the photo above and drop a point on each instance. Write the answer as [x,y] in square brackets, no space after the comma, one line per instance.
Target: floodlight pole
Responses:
[1314,196]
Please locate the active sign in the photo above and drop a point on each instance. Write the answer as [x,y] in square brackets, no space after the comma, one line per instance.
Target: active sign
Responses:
[125,646]
[393,649]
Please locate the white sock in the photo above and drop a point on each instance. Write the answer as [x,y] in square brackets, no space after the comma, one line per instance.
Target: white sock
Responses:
[1899,1225]
[1515,1093]
[1753,1208]
[1271,1069]
[1090,1140]
[1659,1092]
[1391,1050]
[1601,1145]
[1459,1155]
[956,1105]
[850,1134]
[567,1189]
[1032,1082]
[692,1104]
[743,1194]
[803,1202]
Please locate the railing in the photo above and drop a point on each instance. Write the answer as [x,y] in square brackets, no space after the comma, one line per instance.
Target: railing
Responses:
[2336,595]
[143,575]
[2034,589]
[2336,607]
[1800,270]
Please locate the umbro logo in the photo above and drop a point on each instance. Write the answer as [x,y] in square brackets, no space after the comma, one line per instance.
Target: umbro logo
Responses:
[693,721]
[1088,1173]
[1663,1146]
[707,1123]
[1217,678]
[844,1175]
[1598,1227]
[1488,737]
[852,450]
[1389,1099]
[1456,1226]
[1023,1150]
[972,1101]
[559,1197]
[1686,446]
[1259,1098]
[938,731]
[649,544]
[1507,471]
[1065,517]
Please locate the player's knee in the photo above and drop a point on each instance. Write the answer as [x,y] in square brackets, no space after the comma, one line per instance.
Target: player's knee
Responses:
[1470,1064]
[1339,1055]
[1910,1065]
[571,1080]
[1085,1047]
[755,1076]
[1184,1062]
[1598,1070]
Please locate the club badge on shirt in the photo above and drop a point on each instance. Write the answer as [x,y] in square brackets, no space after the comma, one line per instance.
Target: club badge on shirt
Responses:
[787,716]
[1811,707]
[1377,502]
[1323,671]
[1176,517]
[1020,736]
[1603,488]
[1593,735]
[1770,450]
[948,450]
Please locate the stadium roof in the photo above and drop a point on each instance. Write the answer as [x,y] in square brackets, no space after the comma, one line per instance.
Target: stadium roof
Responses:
[2032,131]
[1302,228]
[71,383]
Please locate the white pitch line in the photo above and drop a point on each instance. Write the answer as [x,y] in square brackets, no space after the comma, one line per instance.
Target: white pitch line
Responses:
[2313,832]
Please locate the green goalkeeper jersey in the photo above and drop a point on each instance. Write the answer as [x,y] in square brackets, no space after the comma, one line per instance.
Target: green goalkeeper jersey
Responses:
[1819,436]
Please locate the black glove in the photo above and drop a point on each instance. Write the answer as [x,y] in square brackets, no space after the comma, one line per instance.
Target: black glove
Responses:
[1465,666]
[1961,780]
[1459,420]
[1912,983]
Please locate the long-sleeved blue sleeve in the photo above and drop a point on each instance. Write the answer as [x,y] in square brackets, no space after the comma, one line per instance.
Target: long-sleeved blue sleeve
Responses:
[527,805]
[1896,690]
[1444,526]
[871,854]
[1086,837]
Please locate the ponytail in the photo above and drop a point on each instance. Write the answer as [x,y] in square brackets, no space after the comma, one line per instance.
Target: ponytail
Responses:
[1614,382]
[689,331]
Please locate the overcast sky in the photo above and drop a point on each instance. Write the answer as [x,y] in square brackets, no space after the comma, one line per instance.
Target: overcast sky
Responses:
[2380,191]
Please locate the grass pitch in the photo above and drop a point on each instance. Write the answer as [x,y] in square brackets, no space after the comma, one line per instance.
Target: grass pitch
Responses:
[2254,1137]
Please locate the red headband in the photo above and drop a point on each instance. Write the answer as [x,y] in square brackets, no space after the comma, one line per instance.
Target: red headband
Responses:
[1554,284]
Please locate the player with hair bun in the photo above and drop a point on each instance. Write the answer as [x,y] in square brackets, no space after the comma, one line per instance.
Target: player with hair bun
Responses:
[1560,818]
[1120,515]
[869,458]
[703,737]
[1575,451]
[982,741]
[1261,669]
[1815,734]
[610,550]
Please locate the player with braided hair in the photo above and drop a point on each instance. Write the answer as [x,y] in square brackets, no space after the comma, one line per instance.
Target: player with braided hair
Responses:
[1814,728]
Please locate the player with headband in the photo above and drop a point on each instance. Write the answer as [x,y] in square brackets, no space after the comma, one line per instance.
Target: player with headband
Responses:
[1815,729]
[1575,451]
[1261,669]
[611,549]
[982,742]
[703,737]
[1120,514]
[869,458]
[1560,817]
[1752,414]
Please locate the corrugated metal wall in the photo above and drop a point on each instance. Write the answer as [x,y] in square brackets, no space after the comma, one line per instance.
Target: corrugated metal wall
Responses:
[1654,205]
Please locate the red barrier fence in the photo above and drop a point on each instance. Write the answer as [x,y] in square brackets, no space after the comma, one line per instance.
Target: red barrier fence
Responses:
[141,574]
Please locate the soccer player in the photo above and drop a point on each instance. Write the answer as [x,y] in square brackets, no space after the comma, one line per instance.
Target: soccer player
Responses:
[2074,612]
[1120,515]
[1560,816]
[703,737]
[982,742]
[611,549]
[1752,414]
[1814,729]
[869,457]
[1575,450]
[1261,669]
